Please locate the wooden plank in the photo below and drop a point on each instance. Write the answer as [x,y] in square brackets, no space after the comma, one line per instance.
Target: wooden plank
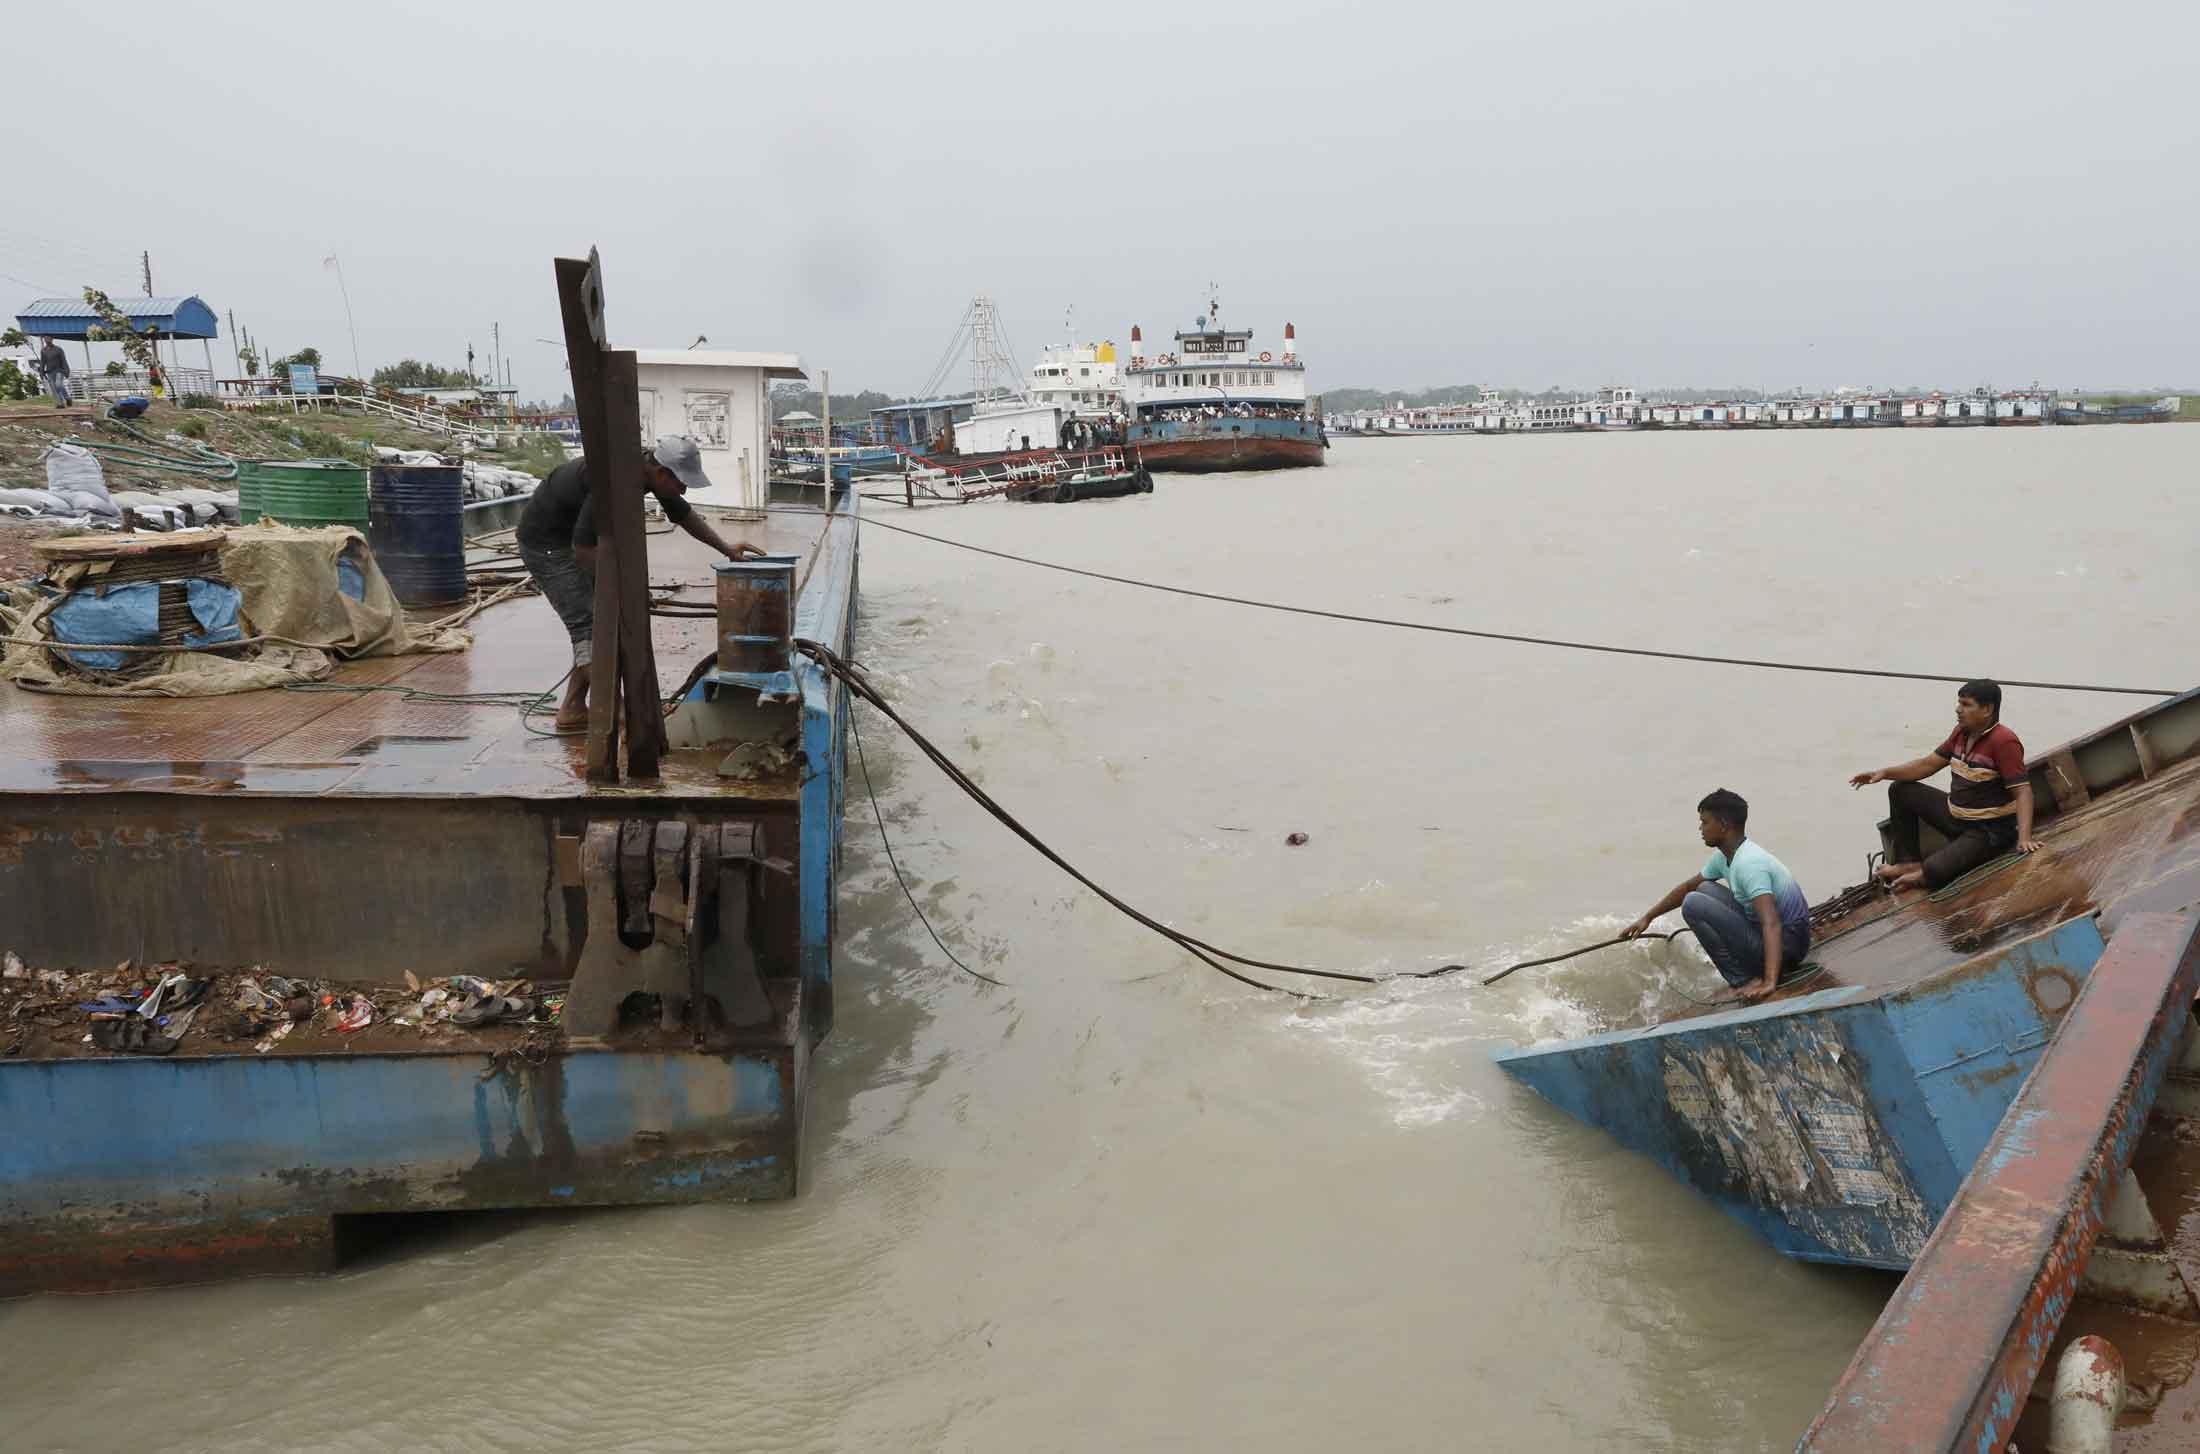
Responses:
[637,654]
[123,547]
[2066,781]
[580,303]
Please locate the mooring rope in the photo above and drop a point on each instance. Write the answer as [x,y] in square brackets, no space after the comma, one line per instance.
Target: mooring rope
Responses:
[1517,638]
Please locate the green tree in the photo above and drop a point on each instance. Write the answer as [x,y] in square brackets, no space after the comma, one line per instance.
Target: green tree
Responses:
[14,383]
[411,373]
[113,327]
[13,338]
[278,367]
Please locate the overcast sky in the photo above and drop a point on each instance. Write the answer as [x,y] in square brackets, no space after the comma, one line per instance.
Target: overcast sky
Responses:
[1526,194]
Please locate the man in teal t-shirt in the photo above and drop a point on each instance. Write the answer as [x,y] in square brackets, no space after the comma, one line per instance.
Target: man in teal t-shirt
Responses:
[1745,908]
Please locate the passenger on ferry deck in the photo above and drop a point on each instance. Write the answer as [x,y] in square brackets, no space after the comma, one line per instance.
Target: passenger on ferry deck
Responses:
[1987,813]
[1745,908]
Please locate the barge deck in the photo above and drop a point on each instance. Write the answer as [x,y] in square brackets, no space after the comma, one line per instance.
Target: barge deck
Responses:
[397,825]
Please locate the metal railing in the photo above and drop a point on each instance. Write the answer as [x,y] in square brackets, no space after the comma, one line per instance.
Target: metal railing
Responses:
[177,382]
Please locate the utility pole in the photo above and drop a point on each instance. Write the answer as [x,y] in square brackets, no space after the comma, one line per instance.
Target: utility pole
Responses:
[145,261]
[234,350]
[337,263]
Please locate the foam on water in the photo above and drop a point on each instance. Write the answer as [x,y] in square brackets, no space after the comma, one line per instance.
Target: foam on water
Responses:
[1413,1038]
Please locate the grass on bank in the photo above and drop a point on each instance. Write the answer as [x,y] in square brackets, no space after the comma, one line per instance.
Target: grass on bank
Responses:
[326,433]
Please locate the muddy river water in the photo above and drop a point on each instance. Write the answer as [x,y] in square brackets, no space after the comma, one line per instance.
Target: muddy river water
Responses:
[1123,1203]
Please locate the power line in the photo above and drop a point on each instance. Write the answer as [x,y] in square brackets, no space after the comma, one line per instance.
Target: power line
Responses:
[1515,637]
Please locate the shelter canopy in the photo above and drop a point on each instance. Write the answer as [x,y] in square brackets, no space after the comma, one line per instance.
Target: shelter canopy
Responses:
[181,317]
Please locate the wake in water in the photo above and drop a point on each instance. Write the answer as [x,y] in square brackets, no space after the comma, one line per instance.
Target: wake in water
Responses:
[1421,1041]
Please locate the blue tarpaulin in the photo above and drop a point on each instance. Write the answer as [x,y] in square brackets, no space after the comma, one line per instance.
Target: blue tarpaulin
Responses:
[130,616]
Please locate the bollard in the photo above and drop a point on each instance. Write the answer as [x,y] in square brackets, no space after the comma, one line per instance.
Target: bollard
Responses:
[2089,1394]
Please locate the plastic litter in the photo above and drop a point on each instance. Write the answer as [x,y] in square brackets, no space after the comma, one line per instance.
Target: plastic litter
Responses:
[12,966]
[273,1037]
[358,1016]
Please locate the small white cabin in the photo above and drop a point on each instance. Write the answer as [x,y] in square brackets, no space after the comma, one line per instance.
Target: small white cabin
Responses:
[722,399]
[1010,427]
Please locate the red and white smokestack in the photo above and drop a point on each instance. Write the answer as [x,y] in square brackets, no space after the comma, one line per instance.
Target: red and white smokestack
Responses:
[1290,344]
[1137,349]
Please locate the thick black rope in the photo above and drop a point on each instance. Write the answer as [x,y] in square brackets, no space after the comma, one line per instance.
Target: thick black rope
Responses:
[1209,954]
[888,843]
[1520,640]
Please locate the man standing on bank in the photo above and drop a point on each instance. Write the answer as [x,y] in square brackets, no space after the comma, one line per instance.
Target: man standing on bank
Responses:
[557,543]
[53,367]
[1987,813]
[1745,908]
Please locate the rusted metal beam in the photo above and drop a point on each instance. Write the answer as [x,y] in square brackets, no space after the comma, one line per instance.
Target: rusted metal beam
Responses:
[643,721]
[580,303]
[1956,1352]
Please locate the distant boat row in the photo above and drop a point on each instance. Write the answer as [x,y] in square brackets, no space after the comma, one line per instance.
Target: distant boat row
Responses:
[1620,409]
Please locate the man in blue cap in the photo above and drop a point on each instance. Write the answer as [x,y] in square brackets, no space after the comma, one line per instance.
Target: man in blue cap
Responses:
[557,543]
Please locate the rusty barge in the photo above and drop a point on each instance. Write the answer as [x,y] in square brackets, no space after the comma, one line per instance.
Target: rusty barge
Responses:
[358,837]
[668,880]
[1995,1089]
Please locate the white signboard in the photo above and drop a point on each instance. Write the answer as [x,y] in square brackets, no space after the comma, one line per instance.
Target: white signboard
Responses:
[707,419]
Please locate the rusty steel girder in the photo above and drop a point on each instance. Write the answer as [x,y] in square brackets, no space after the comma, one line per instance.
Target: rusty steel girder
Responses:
[670,915]
[1955,1354]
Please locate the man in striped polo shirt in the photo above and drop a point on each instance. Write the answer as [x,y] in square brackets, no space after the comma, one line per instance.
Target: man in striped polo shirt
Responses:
[1988,810]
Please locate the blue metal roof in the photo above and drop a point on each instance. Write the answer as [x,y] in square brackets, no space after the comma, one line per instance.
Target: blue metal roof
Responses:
[181,317]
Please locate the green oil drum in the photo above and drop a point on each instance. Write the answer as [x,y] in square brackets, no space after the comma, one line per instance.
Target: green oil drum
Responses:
[302,492]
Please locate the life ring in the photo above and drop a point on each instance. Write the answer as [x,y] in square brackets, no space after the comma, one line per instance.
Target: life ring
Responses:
[1264,358]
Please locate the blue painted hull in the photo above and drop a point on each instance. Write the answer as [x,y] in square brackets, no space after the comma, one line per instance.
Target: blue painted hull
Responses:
[124,1173]
[1836,1125]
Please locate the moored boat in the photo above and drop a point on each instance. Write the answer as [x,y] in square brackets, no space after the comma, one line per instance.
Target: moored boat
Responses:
[1838,1117]
[1215,402]
[378,851]
[2077,411]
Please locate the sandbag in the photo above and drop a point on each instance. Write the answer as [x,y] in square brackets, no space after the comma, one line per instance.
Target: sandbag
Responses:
[38,502]
[72,469]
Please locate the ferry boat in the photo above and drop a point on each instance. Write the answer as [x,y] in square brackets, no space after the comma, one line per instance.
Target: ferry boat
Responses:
[1215,400]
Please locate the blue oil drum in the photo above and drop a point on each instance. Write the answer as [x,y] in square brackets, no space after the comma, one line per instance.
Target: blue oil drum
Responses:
[415,522]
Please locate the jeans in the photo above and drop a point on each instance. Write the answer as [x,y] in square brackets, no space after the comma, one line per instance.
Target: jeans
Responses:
[57,384]
[1969,844]
[570,588]
[1731,935]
